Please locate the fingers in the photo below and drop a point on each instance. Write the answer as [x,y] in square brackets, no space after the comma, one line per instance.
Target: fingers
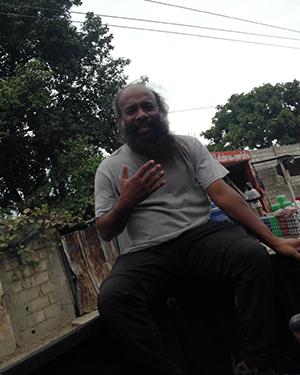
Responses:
[150,174]
[158,185]
[153,174]
[296,255]
[145,181]
[143,169]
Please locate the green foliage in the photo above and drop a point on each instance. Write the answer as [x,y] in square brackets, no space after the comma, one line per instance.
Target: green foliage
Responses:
[57,83]
[76,193]
[265,116]
[16,231]
[23,99]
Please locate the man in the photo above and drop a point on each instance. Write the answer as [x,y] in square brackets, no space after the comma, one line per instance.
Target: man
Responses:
[154,193]
[252,197]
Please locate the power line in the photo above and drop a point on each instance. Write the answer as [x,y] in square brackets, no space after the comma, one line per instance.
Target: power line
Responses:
[160,22]
[197,27]
[193,109]
[204,36]
[223,15]
[166,32]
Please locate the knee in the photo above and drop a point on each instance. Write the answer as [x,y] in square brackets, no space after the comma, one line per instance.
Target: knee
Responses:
[108,297]
[116,294]
[256,256]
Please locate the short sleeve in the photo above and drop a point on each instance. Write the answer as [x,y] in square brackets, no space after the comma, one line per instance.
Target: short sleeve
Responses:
[207,169]
[105,192]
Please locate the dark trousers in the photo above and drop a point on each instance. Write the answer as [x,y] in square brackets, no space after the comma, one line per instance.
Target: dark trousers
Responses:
[221,252]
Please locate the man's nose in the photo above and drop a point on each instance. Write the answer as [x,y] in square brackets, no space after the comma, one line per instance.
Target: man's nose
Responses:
[141,114]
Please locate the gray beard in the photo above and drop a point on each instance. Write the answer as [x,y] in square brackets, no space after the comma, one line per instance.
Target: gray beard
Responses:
[160,145]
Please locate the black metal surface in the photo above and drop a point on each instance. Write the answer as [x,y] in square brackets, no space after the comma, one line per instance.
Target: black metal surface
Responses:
[197,326]
[64,351]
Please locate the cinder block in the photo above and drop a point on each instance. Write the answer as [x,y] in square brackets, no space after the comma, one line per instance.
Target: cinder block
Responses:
[48,325]
[39,278]
[27,295]
[27,282]
[39,316]
[28,271]
[7,337]
[17,286]
[39,303]
[52,297]
[43,265]
[46,287]
[52,311]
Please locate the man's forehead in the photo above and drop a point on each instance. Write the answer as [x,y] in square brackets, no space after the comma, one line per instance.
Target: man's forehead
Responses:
[136,94]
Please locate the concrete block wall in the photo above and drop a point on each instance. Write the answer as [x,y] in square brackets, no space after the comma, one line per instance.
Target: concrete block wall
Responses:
[274,183]
[36,303]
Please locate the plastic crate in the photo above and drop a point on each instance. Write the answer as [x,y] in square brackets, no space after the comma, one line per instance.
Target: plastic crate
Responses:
[218,216]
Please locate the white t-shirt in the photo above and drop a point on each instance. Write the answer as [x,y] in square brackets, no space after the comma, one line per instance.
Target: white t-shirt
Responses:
[252,196]
[178,206]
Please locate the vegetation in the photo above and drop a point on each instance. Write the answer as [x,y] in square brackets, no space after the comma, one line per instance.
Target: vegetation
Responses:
[16,231]
[267,115]
[56,87]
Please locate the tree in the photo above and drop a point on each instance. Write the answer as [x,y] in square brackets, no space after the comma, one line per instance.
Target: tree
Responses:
[23,151]
[57,83]
[267,115]
[78,162]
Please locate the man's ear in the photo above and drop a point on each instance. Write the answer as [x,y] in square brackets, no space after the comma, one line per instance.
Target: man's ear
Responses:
[121,128]
[121,124]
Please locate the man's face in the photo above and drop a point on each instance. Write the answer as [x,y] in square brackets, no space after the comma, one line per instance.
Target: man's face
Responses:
[140,116]
[145,129]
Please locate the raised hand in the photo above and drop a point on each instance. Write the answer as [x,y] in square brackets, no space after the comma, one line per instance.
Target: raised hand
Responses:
[144,182]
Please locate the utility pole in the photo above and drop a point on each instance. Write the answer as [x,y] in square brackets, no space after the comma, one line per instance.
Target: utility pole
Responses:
[286,175]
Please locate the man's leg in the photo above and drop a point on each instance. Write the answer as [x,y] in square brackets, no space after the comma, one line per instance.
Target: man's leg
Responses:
[226,252]
[124,305]
[287,287]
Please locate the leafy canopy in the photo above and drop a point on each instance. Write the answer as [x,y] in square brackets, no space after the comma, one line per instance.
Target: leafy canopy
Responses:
[57,83]
[265,116]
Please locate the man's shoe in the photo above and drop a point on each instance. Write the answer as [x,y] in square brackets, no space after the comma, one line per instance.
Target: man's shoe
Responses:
[242,369]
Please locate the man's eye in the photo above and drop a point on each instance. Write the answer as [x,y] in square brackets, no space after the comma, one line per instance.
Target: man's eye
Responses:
[130,112]
[148,107]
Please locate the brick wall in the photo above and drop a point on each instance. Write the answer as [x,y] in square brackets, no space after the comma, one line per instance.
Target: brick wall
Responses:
[274,183]
[36,304]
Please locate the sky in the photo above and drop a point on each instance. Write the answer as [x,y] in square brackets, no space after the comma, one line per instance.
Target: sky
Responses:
[196,72]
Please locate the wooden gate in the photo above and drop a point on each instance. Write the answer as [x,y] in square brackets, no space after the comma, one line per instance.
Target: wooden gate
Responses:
[88,261]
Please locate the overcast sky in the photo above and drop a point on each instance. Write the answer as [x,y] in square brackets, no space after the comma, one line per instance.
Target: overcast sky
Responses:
[193,72]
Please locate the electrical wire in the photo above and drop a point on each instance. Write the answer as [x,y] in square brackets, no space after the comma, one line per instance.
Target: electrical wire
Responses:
[171,32]
[198,27]
[167,32]
[192,109]
[160,22]
[223,15]
[205,36]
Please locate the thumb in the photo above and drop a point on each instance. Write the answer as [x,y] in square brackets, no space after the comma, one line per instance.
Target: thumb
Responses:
[296,255]
[124,172]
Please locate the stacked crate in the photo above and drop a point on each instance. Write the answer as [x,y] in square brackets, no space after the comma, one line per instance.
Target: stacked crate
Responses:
[217,215]
[273,224]
[289,222]
[284,222]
